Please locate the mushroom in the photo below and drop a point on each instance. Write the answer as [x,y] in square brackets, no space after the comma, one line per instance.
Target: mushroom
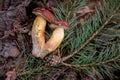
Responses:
[38,30]
[40,48]
[57,36]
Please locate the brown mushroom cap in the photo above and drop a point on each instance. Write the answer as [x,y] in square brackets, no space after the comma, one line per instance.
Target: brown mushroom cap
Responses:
[44,13]
[63,24]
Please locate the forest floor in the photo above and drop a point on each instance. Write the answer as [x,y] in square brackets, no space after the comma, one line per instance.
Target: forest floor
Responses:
[16,20]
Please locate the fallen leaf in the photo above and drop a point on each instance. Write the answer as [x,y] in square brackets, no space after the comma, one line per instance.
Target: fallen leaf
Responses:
[7,34]
[92,4]
[84,11]
[18,28]
[70,75]
[11,75]
[6,4]
[49,4]
[89,8]
[9,50]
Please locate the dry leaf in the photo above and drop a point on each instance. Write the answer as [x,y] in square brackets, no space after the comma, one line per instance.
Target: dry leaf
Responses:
[11,75]
[9,50]
[89,8]
[84,11]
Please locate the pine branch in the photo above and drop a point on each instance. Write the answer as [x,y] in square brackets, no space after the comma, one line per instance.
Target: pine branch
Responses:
[30,72]
[92,64]
[41,69]
[91,38]
[103,62]
[87,57]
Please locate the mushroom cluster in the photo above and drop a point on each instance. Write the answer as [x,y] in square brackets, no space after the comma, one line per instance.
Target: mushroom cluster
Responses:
[40,47]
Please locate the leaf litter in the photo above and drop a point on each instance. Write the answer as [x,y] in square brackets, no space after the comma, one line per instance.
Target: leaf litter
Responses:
[13,23]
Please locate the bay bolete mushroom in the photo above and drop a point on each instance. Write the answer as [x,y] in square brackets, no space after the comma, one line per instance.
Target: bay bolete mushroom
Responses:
[57,36]
[38,30]
[40,48]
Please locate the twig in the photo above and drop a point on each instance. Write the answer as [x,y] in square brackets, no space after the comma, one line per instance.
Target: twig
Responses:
[70,65]
[103,62]
[92,64]
[29,72]
[91,38]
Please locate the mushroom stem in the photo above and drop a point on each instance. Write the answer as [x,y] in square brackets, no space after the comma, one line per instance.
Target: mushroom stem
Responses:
[38,39]
[55,40]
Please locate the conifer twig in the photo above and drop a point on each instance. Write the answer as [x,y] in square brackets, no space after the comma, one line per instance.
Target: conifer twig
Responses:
[92,64]
[29,72]
[71,65]
[90,38]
